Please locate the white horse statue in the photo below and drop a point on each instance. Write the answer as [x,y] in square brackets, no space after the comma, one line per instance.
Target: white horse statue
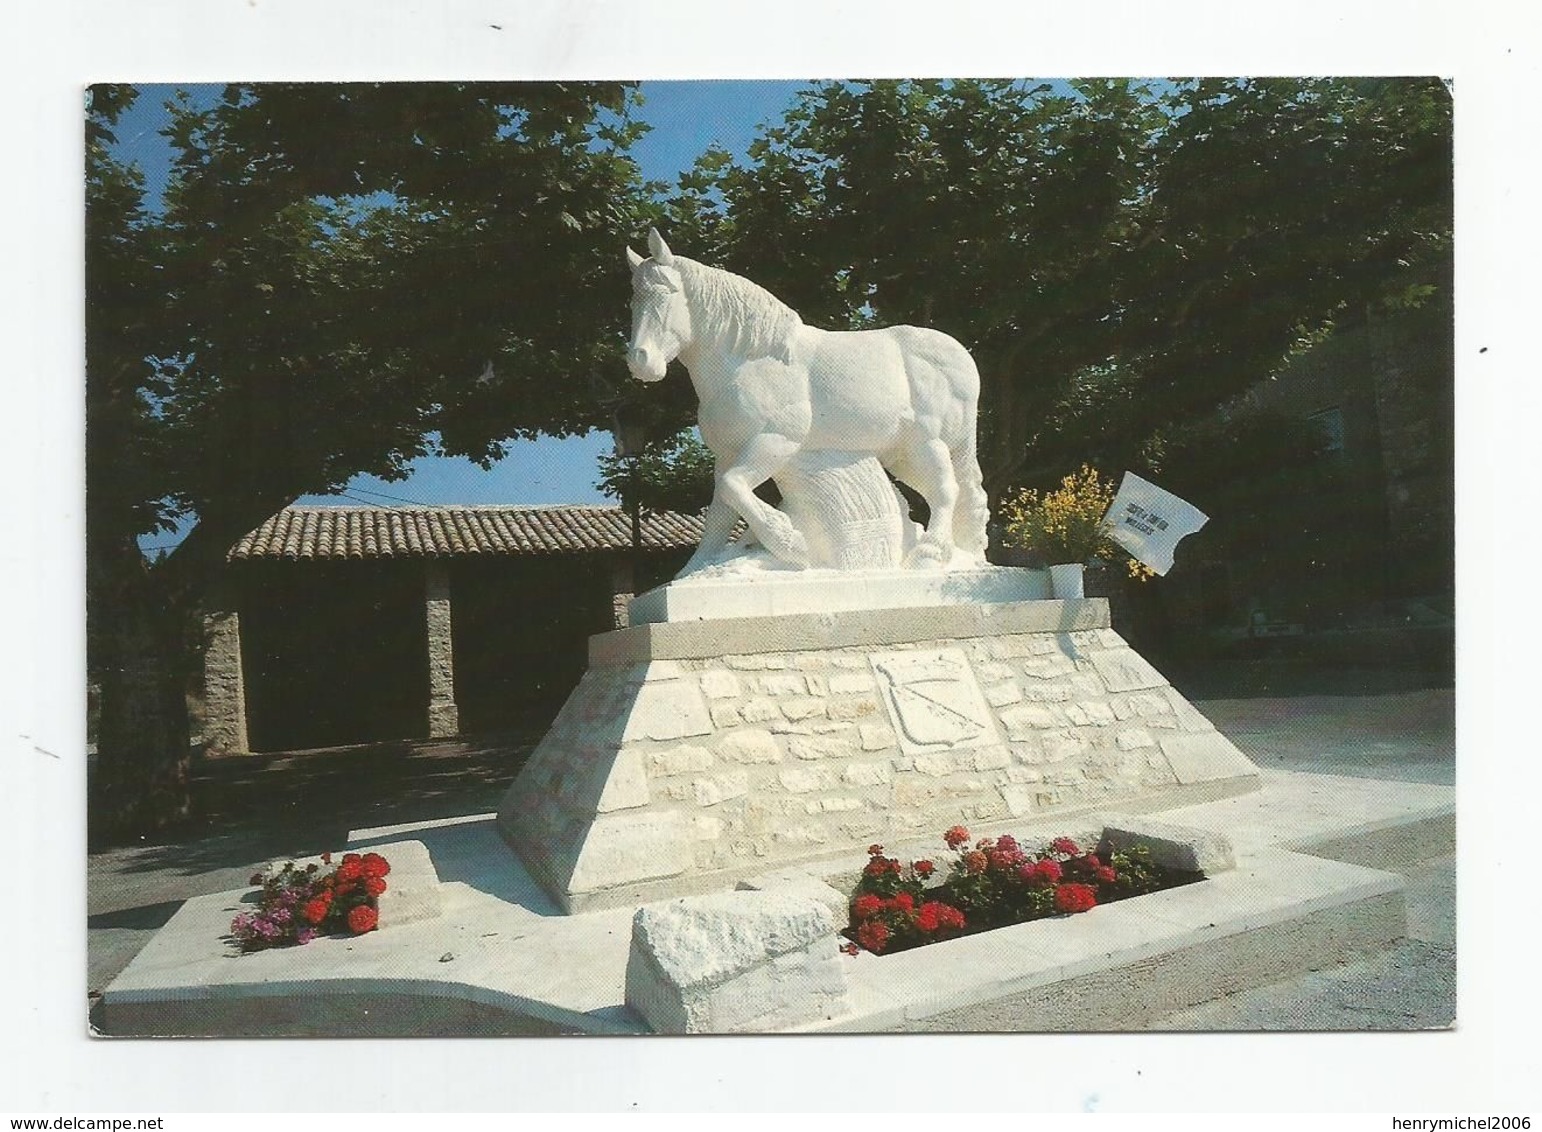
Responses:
[778,395]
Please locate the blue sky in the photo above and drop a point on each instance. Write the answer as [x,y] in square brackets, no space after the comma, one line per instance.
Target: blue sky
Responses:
[686,117]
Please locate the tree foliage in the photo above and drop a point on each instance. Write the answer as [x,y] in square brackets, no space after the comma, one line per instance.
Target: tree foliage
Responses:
[340,272]
[674,474]
[1119,255]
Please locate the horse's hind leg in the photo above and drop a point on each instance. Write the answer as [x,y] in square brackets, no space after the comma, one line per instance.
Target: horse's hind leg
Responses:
[969,523]
[927,466]
[759,461]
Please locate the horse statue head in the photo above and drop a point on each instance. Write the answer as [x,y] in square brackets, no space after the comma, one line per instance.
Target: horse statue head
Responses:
[661,316]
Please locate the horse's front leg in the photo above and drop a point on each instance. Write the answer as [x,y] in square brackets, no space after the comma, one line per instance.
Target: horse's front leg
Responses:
[716,525]
[760,460]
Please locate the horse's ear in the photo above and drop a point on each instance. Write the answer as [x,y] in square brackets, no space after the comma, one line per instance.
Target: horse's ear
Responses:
[660,250]
[634,261]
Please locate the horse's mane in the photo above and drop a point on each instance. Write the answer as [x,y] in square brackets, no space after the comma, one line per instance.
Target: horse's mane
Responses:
[750,321]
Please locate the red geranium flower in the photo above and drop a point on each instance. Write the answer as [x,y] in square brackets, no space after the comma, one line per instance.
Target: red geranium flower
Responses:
[903,901]
[874,850]
[1075,898]
[363,919]
[1006,843]
[1003,860]
[975,861]
[866,905]
[350,870]
[374,885]
[1042,872]
[1106,874]
[935,915]
[375,865]
[873,935]
[956,836]
[1065,845]
[924,869]
[314,911]
[1091,861]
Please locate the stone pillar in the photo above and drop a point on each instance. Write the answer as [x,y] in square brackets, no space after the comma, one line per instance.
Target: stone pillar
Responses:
[224,687]
[623,587]
[443,715]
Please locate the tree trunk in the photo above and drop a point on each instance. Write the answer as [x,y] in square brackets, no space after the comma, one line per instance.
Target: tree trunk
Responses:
[140,781]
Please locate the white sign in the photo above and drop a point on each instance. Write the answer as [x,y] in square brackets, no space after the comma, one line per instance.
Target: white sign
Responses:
[1150,522]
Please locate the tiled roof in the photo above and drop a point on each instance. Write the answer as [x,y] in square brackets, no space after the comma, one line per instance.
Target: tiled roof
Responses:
[302,533]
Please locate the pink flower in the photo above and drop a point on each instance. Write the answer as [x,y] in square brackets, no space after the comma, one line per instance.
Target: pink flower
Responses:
[1065,845]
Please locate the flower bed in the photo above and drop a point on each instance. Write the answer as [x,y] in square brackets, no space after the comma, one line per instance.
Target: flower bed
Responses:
[993,884]
[295,905]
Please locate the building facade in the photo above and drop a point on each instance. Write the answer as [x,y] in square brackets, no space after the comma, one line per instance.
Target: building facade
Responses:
[341,625]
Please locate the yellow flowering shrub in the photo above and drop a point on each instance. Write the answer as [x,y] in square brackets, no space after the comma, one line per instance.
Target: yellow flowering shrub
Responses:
[1066,524]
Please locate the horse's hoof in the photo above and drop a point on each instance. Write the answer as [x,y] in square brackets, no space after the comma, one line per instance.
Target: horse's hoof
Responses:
[796,551]
[927,556]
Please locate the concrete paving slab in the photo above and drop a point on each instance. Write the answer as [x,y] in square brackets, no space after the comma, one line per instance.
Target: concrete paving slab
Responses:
[1405,736]
[499,944]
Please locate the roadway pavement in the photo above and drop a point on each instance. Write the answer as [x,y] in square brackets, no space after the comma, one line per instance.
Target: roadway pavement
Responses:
[254,810]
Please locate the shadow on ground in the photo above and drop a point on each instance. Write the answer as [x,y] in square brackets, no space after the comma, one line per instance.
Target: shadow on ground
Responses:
[251,807]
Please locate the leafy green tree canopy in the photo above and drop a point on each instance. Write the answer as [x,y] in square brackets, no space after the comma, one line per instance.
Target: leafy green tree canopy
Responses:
[339,272]
[1117,254]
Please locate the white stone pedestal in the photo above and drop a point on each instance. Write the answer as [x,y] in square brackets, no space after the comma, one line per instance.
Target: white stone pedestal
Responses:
[777,593]
[696,753]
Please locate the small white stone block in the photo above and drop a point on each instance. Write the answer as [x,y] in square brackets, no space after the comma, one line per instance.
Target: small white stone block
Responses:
[1172,846]
[626,847]
[673,710]
[1125,670]
[754,746]
[627,786]
[1205,757]
[719,684]
[735,962]
[797,882]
